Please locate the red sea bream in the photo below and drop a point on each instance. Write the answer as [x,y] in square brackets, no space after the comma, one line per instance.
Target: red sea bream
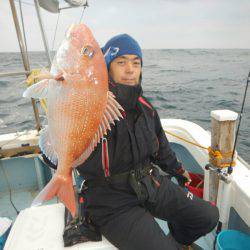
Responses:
[80,109]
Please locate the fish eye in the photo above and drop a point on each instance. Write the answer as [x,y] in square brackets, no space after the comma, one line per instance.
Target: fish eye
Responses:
[87,51]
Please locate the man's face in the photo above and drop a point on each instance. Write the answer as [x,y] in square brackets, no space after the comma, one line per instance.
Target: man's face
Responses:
[126,69]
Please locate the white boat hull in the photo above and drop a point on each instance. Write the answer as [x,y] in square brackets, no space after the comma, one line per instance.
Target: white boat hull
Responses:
[42,227]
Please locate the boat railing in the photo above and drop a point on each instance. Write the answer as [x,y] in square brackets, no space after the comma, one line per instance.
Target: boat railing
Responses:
[14,73]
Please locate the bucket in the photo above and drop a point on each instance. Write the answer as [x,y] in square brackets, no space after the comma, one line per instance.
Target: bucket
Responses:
[5,225]
[233,240]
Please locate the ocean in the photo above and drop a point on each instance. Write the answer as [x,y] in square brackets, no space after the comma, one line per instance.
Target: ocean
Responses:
[180,83]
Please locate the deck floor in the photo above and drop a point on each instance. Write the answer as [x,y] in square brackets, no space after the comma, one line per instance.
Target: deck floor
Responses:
[21,200]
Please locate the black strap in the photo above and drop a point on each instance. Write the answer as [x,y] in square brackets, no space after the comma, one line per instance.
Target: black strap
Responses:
[118,178]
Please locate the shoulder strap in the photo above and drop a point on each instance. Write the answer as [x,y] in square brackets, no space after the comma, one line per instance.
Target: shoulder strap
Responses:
[105,157]
[144,102]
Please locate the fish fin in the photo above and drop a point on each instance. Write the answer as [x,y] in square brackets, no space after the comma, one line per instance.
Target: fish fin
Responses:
[85,155]
[43,75]
[46,146]
[62,188]
[113,108]
[38,90]
[111,113]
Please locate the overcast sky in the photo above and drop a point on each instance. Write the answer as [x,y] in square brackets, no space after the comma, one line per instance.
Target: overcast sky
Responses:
[154,23]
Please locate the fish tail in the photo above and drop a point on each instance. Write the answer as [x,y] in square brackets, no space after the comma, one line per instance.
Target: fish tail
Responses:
[59,186]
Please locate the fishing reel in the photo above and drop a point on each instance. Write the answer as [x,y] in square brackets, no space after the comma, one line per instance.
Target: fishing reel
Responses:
[223,175]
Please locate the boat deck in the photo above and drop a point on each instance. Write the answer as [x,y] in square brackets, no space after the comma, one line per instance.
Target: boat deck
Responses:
[23,192]
[21,200]
[21,175]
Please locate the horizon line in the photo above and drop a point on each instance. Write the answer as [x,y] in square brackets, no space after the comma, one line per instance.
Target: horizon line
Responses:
[17,51]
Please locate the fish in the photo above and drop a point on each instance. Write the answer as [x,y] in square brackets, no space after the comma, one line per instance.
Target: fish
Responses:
[81,110]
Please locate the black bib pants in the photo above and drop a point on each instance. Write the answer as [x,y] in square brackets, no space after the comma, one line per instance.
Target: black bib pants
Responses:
[135,228]
[128,222]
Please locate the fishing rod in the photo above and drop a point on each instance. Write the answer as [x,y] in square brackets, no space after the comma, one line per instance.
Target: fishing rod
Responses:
[224,175]
[230,168]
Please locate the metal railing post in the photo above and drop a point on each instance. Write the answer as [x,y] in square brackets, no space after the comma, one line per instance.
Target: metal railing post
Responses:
[24,58]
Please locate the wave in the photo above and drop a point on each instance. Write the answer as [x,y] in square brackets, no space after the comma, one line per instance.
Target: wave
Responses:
[214,80]
[203,120]
[168,106]
[209,87]
[233,93]
[227,103]
[183,83]
[3,83]
[151,66]
[174,71]
[10,100]
[2,125]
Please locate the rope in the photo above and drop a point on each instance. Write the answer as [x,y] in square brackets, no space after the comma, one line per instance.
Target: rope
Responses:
[215,155]
[183,139]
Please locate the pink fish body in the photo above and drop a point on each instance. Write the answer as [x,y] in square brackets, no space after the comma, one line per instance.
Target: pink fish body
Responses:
[80,109]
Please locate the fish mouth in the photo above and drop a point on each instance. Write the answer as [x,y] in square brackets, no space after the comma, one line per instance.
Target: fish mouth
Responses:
[60,77]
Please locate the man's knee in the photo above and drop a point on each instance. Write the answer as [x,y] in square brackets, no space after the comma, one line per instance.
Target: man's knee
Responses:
[211,218]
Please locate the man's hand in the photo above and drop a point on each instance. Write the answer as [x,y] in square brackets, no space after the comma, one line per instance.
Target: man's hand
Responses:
[186,175]
[182,176]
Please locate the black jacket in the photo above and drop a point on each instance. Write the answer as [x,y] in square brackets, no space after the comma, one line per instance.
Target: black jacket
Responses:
[134,141]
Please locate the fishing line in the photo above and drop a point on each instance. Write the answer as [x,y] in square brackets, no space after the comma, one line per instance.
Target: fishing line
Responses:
[83,12]
[8,184]
[55,31]
[230,168]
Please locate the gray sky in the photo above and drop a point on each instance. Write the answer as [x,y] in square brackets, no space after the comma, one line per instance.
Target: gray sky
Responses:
[154,23]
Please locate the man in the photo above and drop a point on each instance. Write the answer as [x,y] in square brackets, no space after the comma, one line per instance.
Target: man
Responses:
[124,190]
